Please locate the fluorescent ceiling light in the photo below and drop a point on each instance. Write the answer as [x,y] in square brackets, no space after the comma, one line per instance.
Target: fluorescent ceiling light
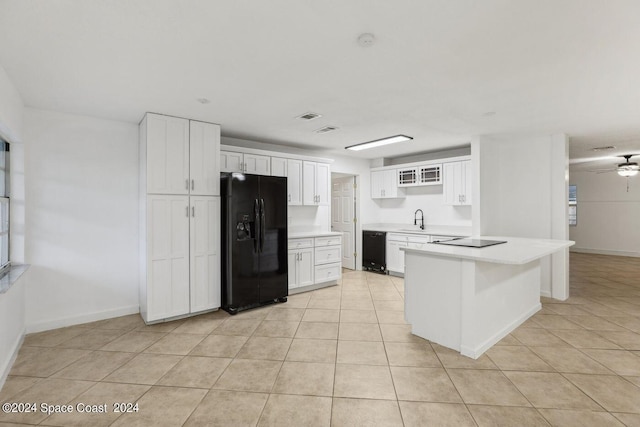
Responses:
[379,142]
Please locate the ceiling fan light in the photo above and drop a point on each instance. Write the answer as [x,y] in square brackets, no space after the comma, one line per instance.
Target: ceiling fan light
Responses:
[628,172]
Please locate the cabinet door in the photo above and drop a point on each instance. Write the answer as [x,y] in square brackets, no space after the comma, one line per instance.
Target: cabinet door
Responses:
[204,164]
[452,182]
[167,155]
[294,181]
[466,181]
[204,240]
[231,161]
[305,267]
[323,183]
[395,257]
[167,256]
[309,183]
[292,262]
[390,183]
[258,165]
[278,166]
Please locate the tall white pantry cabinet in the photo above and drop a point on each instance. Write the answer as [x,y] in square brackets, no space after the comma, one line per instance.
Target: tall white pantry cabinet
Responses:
[179,217]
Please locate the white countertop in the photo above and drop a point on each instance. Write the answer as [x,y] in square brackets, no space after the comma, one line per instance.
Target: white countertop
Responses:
[302,235]
[430,229]
[517,250]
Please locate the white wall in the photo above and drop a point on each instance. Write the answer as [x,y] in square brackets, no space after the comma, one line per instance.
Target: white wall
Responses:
[303,217]
[427,198]
[81,218]
[520,189]
[12,303]
[608,215]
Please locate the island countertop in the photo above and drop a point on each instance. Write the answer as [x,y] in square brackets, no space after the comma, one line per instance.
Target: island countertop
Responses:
[517,250]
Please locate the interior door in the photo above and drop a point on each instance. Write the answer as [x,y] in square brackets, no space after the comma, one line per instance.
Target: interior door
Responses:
[342,217]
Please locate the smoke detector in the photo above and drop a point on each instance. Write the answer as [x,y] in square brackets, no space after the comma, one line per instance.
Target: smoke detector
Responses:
[309,116]
[366,39]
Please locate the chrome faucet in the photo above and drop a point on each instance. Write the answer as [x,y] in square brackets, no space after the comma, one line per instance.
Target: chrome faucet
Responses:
[415,220]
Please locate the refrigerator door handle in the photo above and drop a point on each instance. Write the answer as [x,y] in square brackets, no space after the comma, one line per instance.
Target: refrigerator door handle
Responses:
[257,225]
[262,222]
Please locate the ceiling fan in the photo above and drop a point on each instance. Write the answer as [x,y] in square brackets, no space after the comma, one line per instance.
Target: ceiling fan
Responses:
[625,169]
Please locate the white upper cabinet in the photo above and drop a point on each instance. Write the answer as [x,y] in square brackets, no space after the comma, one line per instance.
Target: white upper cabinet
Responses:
[384,185]
[457,183]
[230,161]
[204,163]
[411,176]
[323,183]
[294,182]
[180,156]
[167,154]
[316,183]
[278,166]
[256,164]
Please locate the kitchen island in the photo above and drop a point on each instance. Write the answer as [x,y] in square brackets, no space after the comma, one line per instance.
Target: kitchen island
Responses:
[468,299]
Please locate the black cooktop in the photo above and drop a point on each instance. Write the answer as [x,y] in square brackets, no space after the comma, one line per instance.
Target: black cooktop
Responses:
[471,243]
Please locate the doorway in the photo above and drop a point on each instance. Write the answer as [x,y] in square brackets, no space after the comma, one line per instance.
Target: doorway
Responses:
[343,215]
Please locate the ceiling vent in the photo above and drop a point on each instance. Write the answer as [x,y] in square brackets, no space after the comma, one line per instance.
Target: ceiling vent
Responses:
[608,147]
[309,116]
[326,129]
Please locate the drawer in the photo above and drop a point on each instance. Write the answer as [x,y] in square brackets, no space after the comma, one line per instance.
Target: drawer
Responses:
[407,238]
[393,237]
[328,254]
[328,241]
[418,239]
[328,272]
[301,243]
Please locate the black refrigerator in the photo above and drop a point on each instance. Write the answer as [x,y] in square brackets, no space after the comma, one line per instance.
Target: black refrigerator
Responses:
[254,240]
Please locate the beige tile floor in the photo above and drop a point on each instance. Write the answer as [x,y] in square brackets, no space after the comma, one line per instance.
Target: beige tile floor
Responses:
[343,356]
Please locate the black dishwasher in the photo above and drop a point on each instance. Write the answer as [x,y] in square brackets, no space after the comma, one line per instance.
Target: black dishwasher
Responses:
[374,251]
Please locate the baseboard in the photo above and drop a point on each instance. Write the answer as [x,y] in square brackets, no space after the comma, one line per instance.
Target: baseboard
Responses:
[545,294]
[476,352]
[6,366]
[312,287]
[604,252]
[83,318]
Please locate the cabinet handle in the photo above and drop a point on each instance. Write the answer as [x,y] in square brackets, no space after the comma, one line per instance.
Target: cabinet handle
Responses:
[193,184]
[193,211]
[289,197]
[187,211]
[186,181]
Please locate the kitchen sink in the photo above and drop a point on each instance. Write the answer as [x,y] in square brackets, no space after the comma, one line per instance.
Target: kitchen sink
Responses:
[413,230]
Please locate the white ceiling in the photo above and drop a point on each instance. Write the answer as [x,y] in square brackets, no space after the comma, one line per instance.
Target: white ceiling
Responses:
[543,66]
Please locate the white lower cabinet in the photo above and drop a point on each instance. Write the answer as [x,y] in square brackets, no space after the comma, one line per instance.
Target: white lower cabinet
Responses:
[301,263]
[314,261]
[395,255]
[204,248]
[181,247]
